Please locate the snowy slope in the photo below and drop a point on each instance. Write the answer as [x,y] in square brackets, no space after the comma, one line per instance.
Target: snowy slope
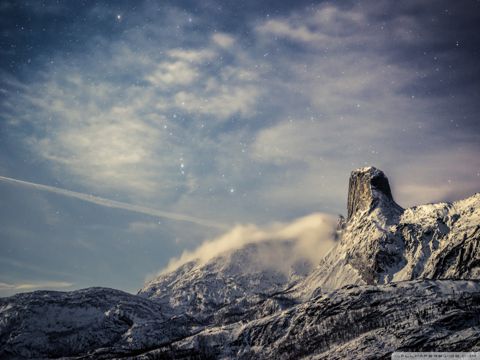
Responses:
[45,324]
[232,279]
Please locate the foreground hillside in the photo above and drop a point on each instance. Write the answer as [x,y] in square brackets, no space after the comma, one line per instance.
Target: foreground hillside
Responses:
[396,279]
[364,322]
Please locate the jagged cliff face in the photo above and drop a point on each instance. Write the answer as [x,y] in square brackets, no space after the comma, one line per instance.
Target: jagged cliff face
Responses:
[439,241]
[397,279]
[368,188]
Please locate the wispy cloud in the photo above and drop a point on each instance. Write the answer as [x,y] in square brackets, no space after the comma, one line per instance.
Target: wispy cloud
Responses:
[114,204]
[223,40]
[132,127]
[25,286]
[312,237]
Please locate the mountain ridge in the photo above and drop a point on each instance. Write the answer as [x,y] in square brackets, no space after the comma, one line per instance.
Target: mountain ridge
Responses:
[426,241]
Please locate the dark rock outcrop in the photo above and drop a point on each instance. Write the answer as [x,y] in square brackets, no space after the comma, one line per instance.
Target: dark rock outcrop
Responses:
[367,189]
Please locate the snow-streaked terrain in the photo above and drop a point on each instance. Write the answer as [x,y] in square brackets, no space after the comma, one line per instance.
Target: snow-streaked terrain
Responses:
[364,322]
[395,280]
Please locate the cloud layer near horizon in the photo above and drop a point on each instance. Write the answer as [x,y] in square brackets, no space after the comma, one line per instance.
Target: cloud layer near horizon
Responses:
[34,286]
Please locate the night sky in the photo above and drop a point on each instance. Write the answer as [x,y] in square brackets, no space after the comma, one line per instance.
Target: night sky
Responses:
[207,114]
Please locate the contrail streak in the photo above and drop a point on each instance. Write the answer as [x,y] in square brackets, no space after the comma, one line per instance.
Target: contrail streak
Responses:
[115,204]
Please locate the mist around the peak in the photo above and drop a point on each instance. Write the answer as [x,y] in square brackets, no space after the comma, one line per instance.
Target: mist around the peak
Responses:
[279,246]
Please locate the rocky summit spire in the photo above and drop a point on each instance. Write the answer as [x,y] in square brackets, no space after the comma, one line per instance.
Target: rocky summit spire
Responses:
[368,188]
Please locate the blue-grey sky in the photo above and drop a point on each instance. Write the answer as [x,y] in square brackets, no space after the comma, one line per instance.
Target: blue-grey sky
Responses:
[220,112]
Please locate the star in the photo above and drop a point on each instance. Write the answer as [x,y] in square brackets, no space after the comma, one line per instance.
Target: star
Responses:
[119,17]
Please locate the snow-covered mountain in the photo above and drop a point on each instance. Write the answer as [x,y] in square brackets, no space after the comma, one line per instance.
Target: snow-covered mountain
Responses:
[270,261]
[51,324]
[396,279]
[232,280]
[381,242]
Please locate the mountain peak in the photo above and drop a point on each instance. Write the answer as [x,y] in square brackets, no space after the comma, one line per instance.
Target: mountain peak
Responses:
[368,188]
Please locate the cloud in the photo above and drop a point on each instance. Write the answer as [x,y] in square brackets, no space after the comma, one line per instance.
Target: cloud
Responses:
[285,29]
[106,152]
[363,104]
[173,73]
[33,286]
[312,237]
[321,26]
[184,69]
[193,55]
[225,102]
[223,40]
[447,173]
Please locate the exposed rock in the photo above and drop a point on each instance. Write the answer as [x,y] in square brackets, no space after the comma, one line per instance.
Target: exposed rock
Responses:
[368,188]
